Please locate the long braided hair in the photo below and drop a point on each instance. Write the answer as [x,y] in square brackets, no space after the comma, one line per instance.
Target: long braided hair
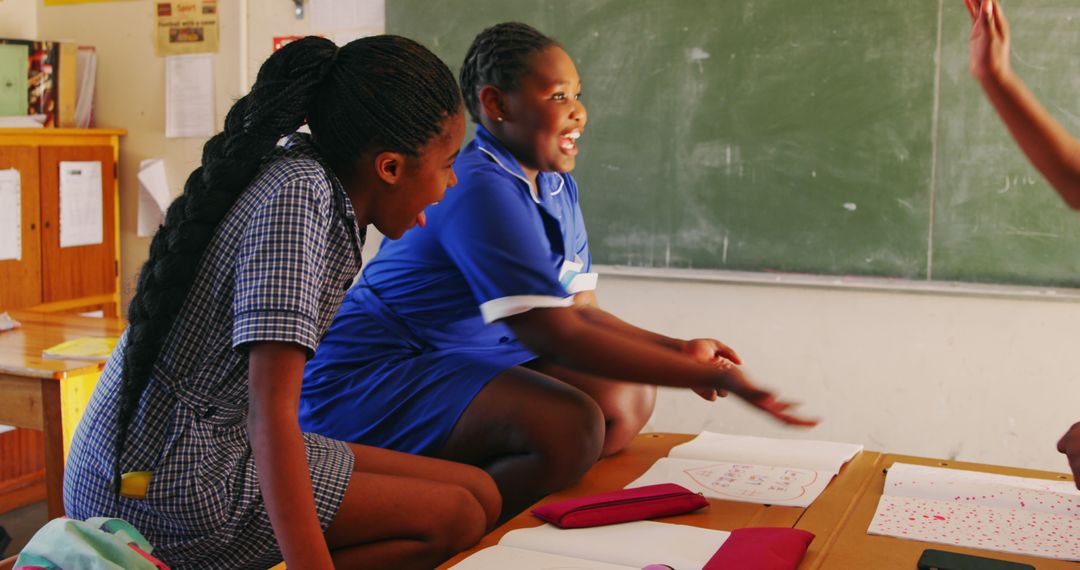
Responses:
[499,56]
[384,92]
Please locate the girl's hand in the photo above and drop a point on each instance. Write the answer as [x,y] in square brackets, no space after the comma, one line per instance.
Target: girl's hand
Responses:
[714,353]
[989,54]
[1070,446]
[737,383]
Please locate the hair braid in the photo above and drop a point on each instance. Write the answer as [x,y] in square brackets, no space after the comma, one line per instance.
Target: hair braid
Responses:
[385,91]
[499,56]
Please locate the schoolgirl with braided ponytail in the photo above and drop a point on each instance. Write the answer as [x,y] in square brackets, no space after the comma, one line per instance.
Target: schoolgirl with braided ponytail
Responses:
[241,282]
[490,348]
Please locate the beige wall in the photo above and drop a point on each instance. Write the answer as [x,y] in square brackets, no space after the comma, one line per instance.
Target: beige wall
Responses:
[18,18]
[130,95]
[972,377]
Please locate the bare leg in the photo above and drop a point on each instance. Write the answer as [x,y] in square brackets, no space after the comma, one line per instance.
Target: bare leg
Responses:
[407,511]
[532,433]
[475,480]
[626,405]
[388,521]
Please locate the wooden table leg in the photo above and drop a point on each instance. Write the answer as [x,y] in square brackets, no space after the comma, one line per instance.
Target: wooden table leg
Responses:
[54,447]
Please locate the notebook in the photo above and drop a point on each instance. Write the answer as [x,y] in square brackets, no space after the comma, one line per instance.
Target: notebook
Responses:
[786,472]
[628,546]
[83,348]
[1003,513]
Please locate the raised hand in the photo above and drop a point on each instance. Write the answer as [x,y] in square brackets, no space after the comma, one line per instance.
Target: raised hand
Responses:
[989,52]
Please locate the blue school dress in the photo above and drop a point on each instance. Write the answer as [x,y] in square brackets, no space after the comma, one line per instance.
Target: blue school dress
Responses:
[276,270]
[419,336]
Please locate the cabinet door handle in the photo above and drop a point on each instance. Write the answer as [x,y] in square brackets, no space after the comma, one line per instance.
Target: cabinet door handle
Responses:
[33,227]
[46,224]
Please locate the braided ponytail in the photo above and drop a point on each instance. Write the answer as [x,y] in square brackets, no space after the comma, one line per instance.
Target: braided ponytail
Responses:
[377,92]
[499,56]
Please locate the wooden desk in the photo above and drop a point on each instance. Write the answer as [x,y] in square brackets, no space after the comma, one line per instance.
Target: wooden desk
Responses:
[48,395]
[840,521]
[615,472]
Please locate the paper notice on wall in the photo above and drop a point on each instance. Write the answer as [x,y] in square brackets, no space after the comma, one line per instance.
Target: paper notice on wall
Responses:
[81,207]
[10,215]
[189,96]
[329,15]
[186,26]
[154,195]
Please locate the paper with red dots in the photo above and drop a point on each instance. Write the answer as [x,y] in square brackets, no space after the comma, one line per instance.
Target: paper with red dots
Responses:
[980,510]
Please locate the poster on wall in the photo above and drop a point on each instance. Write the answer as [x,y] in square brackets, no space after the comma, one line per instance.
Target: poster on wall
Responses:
[63,2]
[186,27]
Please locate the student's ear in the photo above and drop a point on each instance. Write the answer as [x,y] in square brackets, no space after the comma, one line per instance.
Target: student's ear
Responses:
[390,166]
[493,102]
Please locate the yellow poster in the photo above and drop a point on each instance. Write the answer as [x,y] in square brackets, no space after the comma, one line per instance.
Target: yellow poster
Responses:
[63,2]
[186,26]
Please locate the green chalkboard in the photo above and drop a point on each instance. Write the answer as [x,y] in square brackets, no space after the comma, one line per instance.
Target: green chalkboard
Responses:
[841,137]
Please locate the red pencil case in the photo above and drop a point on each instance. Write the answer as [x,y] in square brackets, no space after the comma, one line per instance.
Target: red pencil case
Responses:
[627,505]
[762,549]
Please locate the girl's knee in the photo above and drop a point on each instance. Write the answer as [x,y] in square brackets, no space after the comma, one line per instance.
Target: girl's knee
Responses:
[629,413]
[486,492]
[575,439]
[458,522]
[639,406]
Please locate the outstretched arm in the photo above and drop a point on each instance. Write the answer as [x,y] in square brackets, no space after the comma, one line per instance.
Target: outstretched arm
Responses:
[566,336]
[1053,151]
[703,350]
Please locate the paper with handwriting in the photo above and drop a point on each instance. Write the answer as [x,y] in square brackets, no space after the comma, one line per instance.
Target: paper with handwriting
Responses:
[750,469]
[980,510]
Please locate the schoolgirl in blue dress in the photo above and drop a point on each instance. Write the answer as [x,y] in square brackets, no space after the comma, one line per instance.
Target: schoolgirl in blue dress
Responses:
[242,281]
[478,337]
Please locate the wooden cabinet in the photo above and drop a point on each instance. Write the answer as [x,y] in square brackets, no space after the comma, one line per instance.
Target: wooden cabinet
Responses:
[48,277]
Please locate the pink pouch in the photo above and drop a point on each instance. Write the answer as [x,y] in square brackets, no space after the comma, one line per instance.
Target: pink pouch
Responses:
[627,505]
[762,549]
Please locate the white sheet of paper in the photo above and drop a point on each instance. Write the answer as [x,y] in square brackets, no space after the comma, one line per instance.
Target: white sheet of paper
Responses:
[801,453]
[81,209]
[154,195]
[189,95]
[763,484]
[980,510]
[329,15]
[10,215]
[634,544]
[502,557]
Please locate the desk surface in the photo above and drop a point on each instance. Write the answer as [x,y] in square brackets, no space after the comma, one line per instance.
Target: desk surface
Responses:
[839,517]
[20,349]
[615,472]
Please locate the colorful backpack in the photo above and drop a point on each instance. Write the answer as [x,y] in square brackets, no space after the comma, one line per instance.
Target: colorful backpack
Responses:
[94,544]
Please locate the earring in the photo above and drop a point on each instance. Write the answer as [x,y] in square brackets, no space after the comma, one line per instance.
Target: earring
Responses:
[499,119]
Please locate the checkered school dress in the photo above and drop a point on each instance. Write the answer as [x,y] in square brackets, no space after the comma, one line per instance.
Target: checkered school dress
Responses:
[276,270]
